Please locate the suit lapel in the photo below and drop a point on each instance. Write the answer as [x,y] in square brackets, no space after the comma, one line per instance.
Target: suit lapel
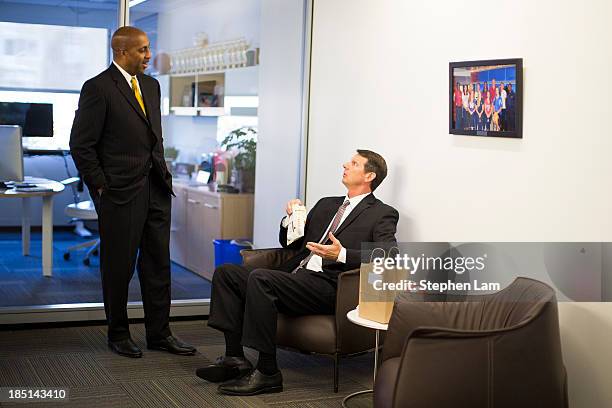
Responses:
[127,92]
[148,93]
[365,203]
[329,213]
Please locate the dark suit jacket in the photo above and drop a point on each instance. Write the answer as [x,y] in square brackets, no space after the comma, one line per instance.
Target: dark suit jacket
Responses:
[371,221]
[113,144]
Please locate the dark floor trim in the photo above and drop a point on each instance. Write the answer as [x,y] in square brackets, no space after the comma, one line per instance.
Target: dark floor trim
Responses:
[87,323]
[80,312]
[34,228]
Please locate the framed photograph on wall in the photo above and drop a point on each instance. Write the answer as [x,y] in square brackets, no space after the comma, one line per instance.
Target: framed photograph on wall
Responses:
[485,98]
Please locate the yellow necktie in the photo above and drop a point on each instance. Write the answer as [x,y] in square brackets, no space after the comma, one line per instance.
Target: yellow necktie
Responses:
[137,95]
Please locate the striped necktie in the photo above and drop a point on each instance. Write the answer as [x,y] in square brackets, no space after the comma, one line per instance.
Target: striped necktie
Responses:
[332,228]
[336,222]
[137,95]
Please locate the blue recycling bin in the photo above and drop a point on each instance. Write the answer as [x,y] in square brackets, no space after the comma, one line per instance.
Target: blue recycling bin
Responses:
[228,250]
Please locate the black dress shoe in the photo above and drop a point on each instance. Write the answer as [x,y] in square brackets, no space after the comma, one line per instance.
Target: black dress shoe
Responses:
[252,384]
[225,368]
[172,345]
[125,348]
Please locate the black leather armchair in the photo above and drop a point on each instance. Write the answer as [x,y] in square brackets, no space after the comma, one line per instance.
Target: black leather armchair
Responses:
[331,335]
[499,350]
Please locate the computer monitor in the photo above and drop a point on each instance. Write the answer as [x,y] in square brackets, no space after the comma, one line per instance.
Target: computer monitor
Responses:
[35,119]
[11,155]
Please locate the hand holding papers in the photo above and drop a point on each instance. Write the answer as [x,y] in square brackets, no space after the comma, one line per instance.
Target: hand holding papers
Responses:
[296,222]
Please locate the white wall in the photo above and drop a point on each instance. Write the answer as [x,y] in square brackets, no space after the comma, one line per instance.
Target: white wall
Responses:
[280,115]
[380,81]
[586,331]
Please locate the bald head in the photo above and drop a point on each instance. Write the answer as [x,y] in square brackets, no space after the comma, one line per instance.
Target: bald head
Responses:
[125,37]
[131,49]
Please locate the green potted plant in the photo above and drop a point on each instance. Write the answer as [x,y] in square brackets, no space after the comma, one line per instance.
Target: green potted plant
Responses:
[244,142]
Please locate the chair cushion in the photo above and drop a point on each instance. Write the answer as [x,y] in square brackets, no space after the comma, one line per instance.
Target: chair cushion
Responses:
[83,210]
[314,333]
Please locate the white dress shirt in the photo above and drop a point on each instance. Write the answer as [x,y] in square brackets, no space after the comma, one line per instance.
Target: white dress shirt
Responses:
[316,262]
[128,77]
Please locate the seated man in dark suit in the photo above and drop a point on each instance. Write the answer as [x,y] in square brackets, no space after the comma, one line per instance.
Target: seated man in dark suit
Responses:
[245,303]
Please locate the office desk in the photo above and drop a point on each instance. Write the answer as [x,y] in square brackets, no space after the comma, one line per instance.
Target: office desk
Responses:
[47,217]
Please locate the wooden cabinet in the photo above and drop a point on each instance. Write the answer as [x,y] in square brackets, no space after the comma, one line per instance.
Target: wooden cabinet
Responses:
[200,216]
[204,227]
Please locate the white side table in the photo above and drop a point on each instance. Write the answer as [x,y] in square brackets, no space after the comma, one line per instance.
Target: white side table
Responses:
[353,316]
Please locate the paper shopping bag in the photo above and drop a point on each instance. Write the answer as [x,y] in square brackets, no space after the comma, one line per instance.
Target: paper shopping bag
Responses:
[375,299]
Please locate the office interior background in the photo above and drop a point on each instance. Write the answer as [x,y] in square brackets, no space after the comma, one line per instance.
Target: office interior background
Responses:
[337,75]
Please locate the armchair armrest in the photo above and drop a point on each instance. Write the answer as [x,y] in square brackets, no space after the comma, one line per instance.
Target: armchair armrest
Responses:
[483,367]
[411,313]
[408,315]
[350,337]
[266,258]
[347,294]
[413,317]
[439,372]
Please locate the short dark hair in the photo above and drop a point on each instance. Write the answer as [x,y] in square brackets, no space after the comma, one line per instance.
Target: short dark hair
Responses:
[376,164]
[124,36]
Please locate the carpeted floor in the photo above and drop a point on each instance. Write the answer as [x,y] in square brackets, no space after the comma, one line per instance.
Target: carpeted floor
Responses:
[77,358]
[22,283]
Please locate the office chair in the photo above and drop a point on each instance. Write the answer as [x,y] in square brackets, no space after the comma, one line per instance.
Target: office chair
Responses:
[82,211]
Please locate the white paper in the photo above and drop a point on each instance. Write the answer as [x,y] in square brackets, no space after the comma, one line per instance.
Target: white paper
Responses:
[296,223]
[203,177]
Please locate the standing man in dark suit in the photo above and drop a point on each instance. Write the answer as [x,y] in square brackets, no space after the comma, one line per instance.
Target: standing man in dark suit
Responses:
[245,303]
[116,143]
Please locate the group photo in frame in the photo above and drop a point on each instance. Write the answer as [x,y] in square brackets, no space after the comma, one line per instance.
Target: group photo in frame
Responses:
[485,98]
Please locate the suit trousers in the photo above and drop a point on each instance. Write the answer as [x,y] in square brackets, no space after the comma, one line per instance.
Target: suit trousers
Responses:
[136,235]
[246,302]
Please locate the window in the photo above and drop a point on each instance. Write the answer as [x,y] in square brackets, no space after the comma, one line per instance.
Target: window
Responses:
[47,52]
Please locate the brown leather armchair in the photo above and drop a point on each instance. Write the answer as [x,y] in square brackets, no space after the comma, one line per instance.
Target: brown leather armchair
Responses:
[498,350]
[330,335]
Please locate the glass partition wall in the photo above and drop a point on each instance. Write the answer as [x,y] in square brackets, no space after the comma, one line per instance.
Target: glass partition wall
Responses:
[205,55]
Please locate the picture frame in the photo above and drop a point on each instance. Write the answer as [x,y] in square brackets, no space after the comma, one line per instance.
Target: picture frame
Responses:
[486,98]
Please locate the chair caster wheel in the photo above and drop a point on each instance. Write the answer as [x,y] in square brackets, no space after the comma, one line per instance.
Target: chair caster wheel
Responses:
[67,256]
[86,262]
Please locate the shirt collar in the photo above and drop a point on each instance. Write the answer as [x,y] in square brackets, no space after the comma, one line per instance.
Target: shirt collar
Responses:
[356,200]
[125,74]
